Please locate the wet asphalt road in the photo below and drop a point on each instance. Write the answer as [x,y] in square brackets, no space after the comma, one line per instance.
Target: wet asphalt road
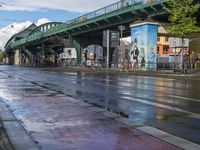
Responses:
[171,105]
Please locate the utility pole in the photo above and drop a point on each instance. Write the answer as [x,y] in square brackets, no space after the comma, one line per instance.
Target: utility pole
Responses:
[121,29]
[108,50]
[175,56]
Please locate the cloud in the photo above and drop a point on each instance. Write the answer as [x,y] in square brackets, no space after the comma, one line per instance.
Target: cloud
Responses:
[68,5]
[42,21]
[7,32]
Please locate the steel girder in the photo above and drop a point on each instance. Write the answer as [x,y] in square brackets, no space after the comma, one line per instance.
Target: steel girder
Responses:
[137,10]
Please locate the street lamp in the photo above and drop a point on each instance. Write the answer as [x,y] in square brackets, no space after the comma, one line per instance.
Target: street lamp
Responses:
[121,28]
[175,55]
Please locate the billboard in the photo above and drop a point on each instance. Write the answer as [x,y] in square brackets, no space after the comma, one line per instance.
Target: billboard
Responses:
[144,45]
[113,38]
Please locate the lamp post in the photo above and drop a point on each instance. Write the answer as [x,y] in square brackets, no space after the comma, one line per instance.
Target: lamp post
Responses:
[121,28]
[175,55]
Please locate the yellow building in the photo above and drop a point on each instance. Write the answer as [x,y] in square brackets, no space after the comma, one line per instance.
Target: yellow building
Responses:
[162,46]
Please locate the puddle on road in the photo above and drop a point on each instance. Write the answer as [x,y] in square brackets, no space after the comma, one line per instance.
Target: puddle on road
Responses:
[110,109]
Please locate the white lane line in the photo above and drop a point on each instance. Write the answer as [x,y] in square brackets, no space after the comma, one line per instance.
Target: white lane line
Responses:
[191,114]
[185,98]
[177,141]
[194,116]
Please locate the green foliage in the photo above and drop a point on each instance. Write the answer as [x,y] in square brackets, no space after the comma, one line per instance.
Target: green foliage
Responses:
[2,55]
[182,17]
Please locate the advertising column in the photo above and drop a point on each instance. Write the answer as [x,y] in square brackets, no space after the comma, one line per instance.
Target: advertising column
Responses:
[144,44]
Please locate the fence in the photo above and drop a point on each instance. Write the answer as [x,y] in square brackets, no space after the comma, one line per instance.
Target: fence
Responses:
[130,66]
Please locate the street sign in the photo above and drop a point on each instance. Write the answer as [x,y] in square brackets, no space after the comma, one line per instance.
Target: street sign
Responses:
[105,38]
[113,38]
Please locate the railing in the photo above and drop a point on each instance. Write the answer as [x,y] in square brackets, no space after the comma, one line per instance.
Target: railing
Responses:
[111,8]
[108,9]
[130,66]
[123,4]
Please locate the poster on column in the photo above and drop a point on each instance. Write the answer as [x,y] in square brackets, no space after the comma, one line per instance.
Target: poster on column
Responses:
[144,45]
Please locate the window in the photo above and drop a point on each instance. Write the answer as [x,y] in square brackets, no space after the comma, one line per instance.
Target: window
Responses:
[166,39]
[165,49]
[158,39]
[158,49]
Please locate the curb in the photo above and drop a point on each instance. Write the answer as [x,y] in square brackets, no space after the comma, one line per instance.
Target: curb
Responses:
[161,74]
[17,135]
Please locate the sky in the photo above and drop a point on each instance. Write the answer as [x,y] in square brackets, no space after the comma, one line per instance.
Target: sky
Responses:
[15,15]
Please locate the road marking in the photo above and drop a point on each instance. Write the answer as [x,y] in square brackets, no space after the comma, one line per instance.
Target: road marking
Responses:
[191,114]
[96,109]
[185,98]
[110,114]
[177,141]
[194,116]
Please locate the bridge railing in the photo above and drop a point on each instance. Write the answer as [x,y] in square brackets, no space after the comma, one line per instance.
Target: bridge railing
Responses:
[123,4]
[110,8]
[105,10]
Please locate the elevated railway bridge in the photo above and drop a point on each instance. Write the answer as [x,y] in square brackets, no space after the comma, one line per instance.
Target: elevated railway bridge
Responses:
[88,29]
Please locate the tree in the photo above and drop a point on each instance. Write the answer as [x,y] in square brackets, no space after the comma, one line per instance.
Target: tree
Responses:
[182,17]
[2,55]
[183,20]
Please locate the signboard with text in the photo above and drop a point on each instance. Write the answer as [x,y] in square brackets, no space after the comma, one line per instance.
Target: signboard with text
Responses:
[113,38]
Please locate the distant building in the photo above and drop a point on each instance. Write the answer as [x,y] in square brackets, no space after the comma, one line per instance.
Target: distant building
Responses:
[16,59]
[195,47]
[178,44]
[96,50]
[167,45]
[162,46]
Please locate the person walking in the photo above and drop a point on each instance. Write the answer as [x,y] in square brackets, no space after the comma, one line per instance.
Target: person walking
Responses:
[194,58]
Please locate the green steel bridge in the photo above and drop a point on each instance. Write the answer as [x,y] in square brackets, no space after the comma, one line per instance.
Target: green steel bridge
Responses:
[88,29]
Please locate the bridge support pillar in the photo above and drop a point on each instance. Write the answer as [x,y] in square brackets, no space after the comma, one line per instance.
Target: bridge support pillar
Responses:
[10,58]
[17,57]
[28,56]
[144,44]
[77,44]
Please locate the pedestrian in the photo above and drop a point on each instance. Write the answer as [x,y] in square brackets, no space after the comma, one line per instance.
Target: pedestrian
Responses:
[185,63]
[194,58]
[83,64]
[142,62]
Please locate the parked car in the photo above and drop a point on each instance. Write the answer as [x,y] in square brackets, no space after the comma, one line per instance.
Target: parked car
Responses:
[1,62]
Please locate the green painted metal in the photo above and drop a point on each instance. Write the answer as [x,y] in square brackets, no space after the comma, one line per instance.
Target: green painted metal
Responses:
[28,54]
[107,12]
[77,44]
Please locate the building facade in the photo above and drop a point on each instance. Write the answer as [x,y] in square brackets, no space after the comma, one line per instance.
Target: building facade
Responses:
[195,47]
[162,46]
